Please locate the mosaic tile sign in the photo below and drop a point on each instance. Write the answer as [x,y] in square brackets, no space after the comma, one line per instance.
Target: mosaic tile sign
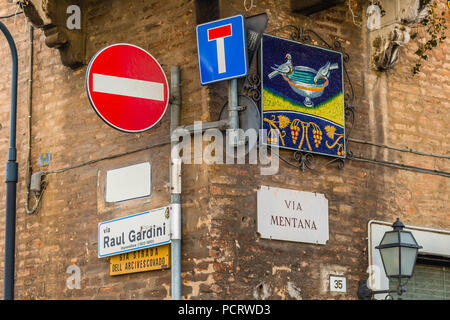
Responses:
[303,97]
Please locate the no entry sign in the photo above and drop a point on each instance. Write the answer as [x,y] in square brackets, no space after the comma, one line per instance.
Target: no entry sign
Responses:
[127,87]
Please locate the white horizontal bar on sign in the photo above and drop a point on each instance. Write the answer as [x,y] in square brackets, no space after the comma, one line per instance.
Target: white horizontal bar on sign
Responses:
[128,87]
[128,182]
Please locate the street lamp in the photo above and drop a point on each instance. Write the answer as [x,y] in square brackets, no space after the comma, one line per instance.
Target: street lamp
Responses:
[398,250]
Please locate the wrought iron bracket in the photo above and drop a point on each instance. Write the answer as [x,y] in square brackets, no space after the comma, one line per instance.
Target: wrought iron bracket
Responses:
[365,293]
[252,87]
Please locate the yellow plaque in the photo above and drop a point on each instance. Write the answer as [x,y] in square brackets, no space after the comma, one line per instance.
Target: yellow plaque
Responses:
[154,258]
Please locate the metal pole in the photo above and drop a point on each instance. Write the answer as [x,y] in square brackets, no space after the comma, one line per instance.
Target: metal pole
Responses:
[29,103]
[11,178]
[233,114]
[175,181]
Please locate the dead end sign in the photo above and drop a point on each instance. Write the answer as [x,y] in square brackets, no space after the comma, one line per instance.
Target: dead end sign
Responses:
[127,87]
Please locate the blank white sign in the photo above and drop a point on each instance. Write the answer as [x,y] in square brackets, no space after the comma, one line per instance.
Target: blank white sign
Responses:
[128,182]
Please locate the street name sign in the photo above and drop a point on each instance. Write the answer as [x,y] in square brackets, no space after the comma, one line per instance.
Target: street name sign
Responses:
[292,215]
[154,258]
[127,87]
[222,49]
[135,232]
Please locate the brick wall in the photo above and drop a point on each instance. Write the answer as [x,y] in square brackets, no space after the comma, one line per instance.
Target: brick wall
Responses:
[223,257]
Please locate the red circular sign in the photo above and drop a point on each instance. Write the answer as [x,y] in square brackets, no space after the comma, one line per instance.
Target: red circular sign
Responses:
[127,87]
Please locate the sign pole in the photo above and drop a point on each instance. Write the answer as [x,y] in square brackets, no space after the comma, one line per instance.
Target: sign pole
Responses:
[175,181]
[11,178]
[233,114]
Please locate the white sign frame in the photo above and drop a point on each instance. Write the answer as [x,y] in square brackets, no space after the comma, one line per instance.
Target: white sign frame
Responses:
[134,232]
[305,212]
[130,182]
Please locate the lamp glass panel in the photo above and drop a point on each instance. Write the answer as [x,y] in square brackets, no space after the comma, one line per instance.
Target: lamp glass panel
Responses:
[407,237]
[390,237]
[408,260]
[390,260]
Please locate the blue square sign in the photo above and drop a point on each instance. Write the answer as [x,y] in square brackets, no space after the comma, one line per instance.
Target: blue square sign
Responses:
[222,49]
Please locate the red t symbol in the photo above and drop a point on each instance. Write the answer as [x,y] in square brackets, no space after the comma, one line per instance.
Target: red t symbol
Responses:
[218,34]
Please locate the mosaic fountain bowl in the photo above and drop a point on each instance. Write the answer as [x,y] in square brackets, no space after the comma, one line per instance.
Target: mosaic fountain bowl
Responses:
[302,82]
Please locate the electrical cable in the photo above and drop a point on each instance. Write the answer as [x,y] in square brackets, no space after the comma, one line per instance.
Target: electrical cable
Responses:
[20,5]
[37,199]
[11,15]
[107,158]
[395,165]
[29,103]
[400,166]
[399,149]
[44,184]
